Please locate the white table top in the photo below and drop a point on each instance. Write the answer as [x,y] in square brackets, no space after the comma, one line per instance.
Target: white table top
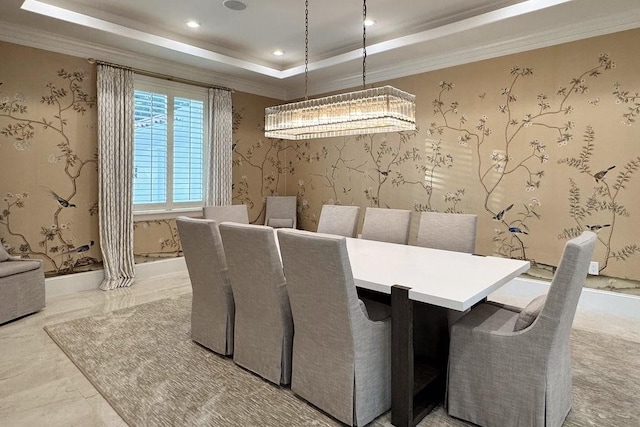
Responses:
[448,279]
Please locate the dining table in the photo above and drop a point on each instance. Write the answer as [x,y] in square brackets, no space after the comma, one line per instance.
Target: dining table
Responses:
[440,284]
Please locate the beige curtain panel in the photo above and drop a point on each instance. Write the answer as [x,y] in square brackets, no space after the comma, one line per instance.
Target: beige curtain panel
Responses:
[115,171]
[219,180]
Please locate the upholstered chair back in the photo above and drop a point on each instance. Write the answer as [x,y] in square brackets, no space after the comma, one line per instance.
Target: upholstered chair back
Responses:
[281,212]
[339,220]
[341,359]
[532,345]
[559,309]
[228,213]
[263,324]
[212,309]
[387,225]
[448,231]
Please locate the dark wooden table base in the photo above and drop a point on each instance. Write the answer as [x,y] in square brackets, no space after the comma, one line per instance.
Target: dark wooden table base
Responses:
[420,346]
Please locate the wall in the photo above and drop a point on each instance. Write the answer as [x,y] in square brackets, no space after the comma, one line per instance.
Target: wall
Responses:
[48,152]
[260,165]
[530,130]
[48,163]
[259,170]
[540,145]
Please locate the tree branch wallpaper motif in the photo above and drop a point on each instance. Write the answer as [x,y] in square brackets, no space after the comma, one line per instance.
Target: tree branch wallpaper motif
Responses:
[54,128]
[333,174]
[540,145]
[513,156]
[501,139]
[261,165]
[602,209]
[155,239]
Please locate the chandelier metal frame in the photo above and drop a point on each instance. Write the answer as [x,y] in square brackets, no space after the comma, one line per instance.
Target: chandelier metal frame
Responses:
[368,111]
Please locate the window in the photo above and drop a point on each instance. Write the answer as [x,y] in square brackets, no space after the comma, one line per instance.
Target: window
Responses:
[170,142]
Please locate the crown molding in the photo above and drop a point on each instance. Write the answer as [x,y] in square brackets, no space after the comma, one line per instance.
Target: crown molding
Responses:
[541,39]
[536,40]
[18,34]
[102,25]
[462,25]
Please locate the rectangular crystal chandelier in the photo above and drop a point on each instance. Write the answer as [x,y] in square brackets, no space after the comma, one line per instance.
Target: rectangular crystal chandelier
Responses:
[374,110]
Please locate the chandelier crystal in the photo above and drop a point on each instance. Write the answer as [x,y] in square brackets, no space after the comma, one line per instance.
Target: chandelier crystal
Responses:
[368,111]
[374,110]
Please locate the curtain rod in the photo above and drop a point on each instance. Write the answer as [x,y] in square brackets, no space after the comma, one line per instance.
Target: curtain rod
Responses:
[160,75]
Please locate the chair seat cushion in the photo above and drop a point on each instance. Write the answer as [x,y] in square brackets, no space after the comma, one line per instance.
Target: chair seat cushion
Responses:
[9,268]
[486,317]
[280,222]
[530,313]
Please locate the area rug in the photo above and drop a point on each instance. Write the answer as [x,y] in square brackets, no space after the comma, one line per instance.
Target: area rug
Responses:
[142,360]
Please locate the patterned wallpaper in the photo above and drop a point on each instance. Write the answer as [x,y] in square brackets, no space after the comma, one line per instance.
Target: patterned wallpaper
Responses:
[48,163]
[48,158]
[260,169]
[540,145]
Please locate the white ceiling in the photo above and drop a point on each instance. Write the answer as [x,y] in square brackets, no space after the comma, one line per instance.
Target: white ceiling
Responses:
[234,48]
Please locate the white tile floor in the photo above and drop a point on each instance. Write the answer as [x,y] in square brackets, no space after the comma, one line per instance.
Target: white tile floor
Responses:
[40,386]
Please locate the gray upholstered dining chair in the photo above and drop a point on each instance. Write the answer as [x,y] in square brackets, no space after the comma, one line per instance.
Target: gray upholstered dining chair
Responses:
[228,213]
[341,345]
[387,225]
[339,220]
[212,307]
[281,212]
[448,231]
[263,335]
[22,288]
[510,368]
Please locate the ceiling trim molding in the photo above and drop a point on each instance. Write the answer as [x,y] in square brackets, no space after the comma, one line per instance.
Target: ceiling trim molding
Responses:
[438,32]
[68,15]
[18,34]
[487,18]
[541,39]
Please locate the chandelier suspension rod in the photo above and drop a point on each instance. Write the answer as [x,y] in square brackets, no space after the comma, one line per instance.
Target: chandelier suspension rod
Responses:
[306,49]
[364,44]
[368,111]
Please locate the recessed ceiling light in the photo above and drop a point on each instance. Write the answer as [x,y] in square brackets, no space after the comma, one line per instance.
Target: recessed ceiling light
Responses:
[192,24]
[278,52]
[234,5]
[369,22]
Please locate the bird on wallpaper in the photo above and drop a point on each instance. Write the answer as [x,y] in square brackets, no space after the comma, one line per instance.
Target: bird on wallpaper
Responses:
[233,146]
[597,227]
[384,173]
[516,230]
[63,202]
[79,249]
[600,175]
[500,214]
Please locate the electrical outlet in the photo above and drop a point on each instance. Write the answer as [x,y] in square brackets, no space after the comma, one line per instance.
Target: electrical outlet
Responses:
[593,268]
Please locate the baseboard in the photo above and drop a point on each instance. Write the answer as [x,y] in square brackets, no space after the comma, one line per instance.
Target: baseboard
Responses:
[594,300]
[71,283]
[78,282]
[160,268]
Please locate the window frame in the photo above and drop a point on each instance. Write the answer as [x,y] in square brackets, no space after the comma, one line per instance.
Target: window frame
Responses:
[172,90]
